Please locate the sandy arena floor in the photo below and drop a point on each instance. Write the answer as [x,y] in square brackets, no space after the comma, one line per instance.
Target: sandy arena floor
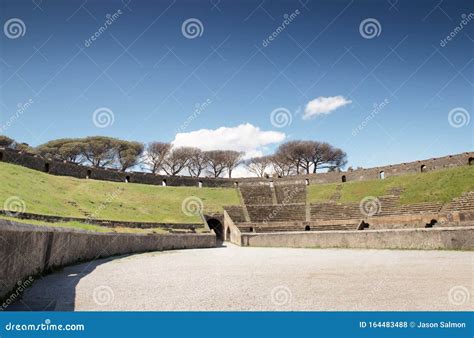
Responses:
[235,278]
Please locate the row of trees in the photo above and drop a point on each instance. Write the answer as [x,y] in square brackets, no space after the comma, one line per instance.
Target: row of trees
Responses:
[101,152]
[291,158]
[7,142]
[173,160]
[299,157]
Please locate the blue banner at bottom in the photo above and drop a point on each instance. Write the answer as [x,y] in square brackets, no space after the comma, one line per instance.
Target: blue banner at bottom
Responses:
[237,324]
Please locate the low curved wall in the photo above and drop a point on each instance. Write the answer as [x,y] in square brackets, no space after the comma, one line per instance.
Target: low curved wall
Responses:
[27,251]
[459,238]
[104,222]
[79,171]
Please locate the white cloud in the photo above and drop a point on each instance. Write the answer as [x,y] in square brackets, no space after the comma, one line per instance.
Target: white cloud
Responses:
[242,171]
[324,105]
[245,137]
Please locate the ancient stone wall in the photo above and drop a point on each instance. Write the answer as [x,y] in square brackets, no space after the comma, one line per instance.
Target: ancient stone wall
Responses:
[69,169]
[79,171]
[27,251]
[428,239]
[232,232]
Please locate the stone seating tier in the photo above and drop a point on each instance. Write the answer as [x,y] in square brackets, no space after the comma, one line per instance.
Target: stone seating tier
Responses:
[292,226]
[463,203]
[256,195]
[277,213]
[294,193]
[236,213]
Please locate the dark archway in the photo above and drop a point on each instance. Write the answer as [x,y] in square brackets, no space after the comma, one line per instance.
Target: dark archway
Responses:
[200,184]
[163,183]
[1,156]
[343,178]
[89,174]
[423,168]
[218,228]
[127,179]
[307,228]
[470,161]
[46,167]
[431,224]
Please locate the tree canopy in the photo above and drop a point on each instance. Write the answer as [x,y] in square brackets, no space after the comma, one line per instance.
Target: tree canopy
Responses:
[291,158]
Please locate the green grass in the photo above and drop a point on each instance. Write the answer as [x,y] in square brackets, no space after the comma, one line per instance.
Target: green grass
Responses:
[66,196]
[435,186]
[84,226]
[75,225]
[321,192]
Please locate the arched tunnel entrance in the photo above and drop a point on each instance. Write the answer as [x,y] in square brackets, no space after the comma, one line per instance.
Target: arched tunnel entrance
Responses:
[218,228]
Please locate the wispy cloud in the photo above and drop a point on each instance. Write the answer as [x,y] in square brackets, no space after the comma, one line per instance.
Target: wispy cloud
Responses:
[324,105]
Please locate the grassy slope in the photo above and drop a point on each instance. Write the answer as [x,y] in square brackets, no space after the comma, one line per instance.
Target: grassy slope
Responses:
[441,185]
[66,196]
[84,226]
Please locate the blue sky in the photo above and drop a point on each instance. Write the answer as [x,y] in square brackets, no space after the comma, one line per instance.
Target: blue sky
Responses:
[151,77]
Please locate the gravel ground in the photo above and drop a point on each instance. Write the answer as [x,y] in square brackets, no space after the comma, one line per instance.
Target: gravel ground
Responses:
[235,278]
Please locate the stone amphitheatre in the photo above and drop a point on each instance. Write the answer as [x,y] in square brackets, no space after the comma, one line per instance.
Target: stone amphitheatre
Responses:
[384,238]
